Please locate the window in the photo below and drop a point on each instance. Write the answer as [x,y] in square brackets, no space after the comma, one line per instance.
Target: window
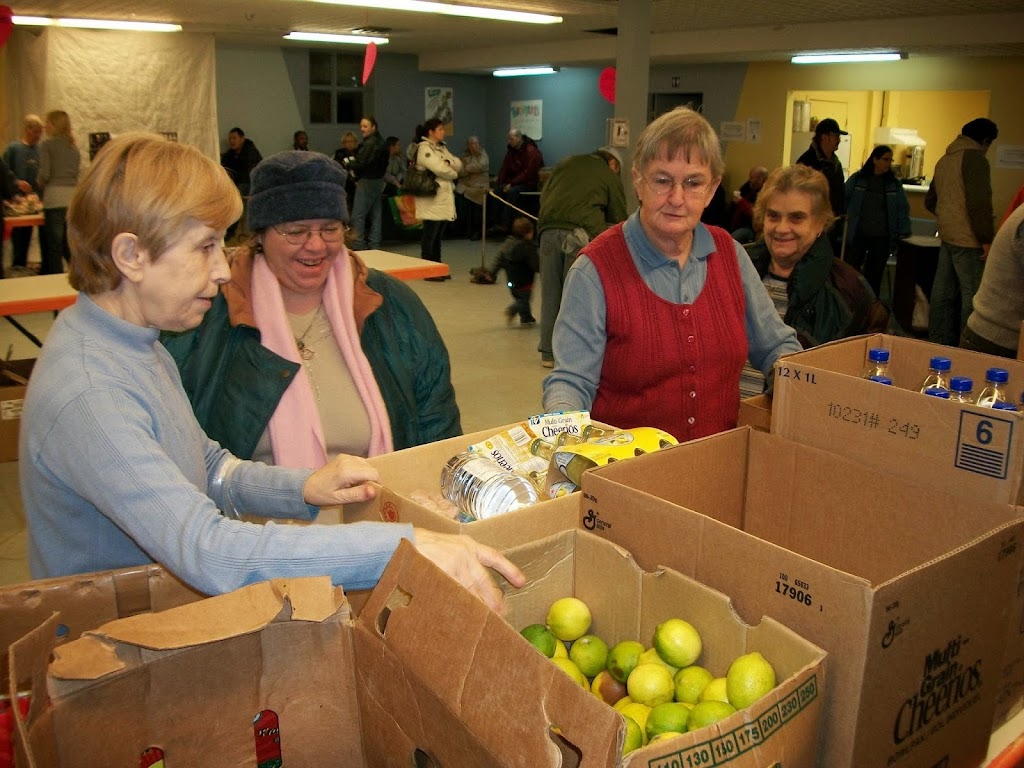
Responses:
[335,94]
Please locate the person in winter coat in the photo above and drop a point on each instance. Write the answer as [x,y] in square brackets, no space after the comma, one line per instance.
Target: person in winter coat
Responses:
[306,352]
[878,215]
[519,172]
[960,196]
[816,294]
[435,212]
[369,164]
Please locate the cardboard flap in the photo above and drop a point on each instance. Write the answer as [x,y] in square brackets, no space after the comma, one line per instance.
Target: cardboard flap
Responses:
[29,657]
[241,612]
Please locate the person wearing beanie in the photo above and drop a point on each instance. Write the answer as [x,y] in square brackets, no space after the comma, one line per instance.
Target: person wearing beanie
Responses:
[580,200]
[435,211]
[307,352]
[115,471]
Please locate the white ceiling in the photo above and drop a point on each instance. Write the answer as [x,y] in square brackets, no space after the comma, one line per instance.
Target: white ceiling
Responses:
[682,30]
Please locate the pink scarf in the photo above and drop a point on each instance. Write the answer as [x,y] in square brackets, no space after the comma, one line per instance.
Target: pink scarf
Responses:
[296,433]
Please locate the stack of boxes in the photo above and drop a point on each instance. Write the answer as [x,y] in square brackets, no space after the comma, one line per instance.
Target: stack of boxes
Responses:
[861,545]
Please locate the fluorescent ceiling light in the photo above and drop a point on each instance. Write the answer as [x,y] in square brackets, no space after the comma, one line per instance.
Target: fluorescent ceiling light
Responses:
[475,12]
[522,71]
[323,37]
[840,58]
[132,26]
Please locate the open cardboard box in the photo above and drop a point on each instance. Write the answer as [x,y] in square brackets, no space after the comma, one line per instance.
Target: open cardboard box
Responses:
[406,473]
[237,679]
[756,412]
[821,400]
[908,589]
[463,688]
[977,453]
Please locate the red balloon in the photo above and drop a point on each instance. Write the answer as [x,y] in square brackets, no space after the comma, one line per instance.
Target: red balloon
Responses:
[6,24]
[606,83]
[369,60]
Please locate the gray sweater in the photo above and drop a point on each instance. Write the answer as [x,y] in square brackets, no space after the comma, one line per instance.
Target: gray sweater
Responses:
[116,472]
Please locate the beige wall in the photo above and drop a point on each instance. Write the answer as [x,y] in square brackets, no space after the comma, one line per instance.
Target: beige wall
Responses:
[768,86]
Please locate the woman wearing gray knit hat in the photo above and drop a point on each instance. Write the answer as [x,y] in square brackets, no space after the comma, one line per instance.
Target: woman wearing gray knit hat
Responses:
[306,352]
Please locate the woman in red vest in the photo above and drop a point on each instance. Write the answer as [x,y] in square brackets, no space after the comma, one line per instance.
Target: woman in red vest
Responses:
[660,313]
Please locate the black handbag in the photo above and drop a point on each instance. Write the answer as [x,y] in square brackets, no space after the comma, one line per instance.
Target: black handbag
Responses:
[421,183]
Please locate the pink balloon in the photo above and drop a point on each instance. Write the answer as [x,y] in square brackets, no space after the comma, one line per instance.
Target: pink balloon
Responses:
[6,24]
[606,83]
[369,60]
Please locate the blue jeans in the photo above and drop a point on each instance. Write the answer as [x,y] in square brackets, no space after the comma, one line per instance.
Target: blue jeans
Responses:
[366,212]
[957,276]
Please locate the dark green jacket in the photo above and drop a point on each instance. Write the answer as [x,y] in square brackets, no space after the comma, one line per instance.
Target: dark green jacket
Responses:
[828,299]
[235,383]
[582,192]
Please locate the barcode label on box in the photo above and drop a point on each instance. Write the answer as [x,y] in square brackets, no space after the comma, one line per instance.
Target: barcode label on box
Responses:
[983,445]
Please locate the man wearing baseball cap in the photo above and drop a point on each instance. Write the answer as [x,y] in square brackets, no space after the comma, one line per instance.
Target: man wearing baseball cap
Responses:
[821,156]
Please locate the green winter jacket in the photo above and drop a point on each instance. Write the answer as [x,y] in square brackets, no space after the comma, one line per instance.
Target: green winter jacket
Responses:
[235,383]
[828,299]
[582,192]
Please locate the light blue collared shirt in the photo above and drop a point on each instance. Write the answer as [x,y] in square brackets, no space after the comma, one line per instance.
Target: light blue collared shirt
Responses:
[580,334]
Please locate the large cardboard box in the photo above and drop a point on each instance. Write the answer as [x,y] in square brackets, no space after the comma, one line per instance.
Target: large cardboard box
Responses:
[821,400]
[14,375]
[404,475]
[908,589]
[462,687]
[973,452]
[85,601]
[261,674]
[756,412]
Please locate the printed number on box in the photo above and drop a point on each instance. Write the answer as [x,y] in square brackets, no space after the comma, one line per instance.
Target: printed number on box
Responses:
[983,445]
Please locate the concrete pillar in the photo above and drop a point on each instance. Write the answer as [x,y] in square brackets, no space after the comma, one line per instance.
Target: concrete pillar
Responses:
[632,79]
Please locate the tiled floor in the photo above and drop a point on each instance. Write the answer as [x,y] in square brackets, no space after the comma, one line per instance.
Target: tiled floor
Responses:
[496,368]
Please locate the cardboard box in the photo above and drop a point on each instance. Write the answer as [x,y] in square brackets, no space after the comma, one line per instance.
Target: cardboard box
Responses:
[821,400]
[756,412]
[85,601]
[495,701]
[230,680]
[908,589]
[14,375]
[404,474]
[973,452]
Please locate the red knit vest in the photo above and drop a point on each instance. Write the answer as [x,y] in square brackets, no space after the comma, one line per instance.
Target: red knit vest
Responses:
[672,366]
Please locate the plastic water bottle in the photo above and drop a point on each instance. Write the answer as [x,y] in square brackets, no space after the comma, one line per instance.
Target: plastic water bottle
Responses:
[879,379]
[961,389]
[481,489]
[877,364]
[938,374]
[994,390]
[938,392]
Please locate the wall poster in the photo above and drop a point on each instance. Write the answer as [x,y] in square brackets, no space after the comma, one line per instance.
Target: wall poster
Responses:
[440,103]
[526,116]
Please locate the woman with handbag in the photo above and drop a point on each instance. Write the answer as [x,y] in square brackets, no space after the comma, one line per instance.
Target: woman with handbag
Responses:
[437,209]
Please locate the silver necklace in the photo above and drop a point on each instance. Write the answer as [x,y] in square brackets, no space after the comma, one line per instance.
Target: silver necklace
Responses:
[305,351]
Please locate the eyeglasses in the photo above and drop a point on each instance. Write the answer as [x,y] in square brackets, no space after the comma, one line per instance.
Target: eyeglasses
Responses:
[663,185]
[332,233]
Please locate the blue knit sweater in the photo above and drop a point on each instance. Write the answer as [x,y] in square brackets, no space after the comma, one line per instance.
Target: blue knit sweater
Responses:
[116,472]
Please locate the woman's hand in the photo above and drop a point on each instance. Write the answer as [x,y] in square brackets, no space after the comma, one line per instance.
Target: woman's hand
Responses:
[467,562]
[343,480]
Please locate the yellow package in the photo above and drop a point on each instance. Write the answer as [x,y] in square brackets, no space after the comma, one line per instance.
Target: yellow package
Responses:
[510,448]
[573,460]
